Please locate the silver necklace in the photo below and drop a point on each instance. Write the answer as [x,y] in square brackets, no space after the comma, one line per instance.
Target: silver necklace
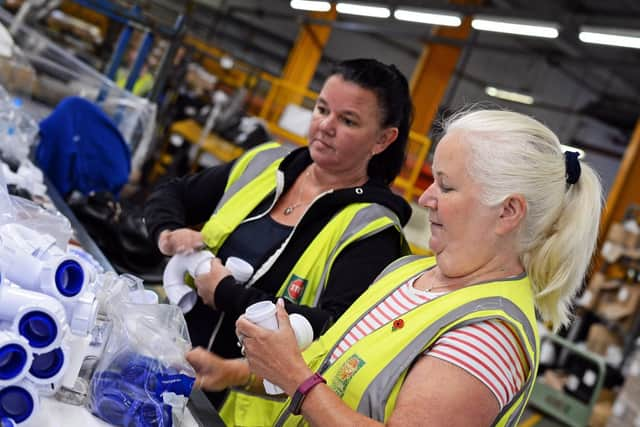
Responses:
[289,209]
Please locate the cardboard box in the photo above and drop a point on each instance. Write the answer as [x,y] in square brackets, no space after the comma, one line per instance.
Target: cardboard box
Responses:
[600,338]
[600,414]
[616,233]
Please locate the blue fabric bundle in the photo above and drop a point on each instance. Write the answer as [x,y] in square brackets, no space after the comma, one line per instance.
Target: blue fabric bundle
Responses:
[82,149]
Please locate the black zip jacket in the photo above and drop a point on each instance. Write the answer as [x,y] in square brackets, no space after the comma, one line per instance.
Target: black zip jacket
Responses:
[190,201]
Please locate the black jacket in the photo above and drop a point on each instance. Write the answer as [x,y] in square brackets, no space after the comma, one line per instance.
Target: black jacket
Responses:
[191,200]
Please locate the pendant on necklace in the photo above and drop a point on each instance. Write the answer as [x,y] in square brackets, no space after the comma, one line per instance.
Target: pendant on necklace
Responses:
[288,210]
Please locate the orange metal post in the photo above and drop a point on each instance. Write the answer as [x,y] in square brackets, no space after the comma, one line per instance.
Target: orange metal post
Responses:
[429,83]
[302,62]
[626,187]
[432,74]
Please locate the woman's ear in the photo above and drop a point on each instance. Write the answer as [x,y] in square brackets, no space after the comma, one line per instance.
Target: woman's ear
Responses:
[512,213]
[387,136]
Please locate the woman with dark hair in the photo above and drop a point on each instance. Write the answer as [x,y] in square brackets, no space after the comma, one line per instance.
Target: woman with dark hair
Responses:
[316,224]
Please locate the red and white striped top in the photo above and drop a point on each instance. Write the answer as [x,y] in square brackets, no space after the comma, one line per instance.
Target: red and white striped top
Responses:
[489,350]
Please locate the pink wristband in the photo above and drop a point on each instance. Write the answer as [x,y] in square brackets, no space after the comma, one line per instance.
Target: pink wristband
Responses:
[301,393]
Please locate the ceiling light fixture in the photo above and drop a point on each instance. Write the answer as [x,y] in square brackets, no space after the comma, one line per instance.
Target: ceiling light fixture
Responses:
[362,9]
[611,37]
[509,95]
[519,27]
[313,6]
[427,16]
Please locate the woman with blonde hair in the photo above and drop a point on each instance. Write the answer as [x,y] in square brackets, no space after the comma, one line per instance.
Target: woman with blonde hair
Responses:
[452,339]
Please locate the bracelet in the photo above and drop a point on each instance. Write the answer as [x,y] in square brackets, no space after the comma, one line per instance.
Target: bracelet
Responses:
[301,393]
[247,385]
[250,380]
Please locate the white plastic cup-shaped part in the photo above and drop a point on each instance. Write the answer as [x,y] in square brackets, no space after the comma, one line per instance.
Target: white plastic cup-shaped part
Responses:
[240,269]
[263,314]
[303,330]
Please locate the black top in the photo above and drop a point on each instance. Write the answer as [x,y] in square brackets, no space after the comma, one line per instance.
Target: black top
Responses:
[254,241]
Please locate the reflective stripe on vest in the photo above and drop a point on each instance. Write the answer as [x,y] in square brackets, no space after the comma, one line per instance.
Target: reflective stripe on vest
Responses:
[254,176]
[368,377]
[311,271]
[258,168]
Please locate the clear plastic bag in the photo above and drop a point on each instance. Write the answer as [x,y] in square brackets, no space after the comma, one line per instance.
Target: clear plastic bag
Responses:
[21,211]
[18,130]
[143,378]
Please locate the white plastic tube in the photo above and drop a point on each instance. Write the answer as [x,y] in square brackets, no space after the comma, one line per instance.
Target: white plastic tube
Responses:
[79,348]
[63,277]
[19,403]
[48,369]
[304,336]
[178,292]
[263,314]
[82,314]
[15,358]
[37,317]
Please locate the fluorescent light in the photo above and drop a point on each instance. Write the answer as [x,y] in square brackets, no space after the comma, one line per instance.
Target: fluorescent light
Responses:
[509,95]
[622,38]
[313,6]
[516,26]
[580,151]
[426,16]
[363,10]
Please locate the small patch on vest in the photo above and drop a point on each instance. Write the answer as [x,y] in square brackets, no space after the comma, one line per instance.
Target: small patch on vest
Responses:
[295,289]
[348,369]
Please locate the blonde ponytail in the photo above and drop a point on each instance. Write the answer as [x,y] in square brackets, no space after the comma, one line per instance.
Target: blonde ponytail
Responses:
[515,154]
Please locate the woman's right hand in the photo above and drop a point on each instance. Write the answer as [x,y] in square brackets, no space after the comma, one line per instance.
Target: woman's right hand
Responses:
[182,240]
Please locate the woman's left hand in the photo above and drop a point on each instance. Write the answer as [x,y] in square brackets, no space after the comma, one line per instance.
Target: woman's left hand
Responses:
[208,283]
[274,355]
[213,373]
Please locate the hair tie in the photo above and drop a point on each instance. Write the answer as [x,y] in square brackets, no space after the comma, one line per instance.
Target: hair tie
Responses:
[572,166]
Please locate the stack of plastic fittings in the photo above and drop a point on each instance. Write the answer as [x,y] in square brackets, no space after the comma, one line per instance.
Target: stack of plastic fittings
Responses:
[130,391]
[45,306]
[18,397]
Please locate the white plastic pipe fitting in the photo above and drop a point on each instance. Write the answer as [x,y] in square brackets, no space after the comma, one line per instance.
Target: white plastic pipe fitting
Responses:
[196,263]
[39,318]
[79,348]
[15,358]
[263,314]
[178,292]
[82,314]
[48,369]
[19,403]
[63,277]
